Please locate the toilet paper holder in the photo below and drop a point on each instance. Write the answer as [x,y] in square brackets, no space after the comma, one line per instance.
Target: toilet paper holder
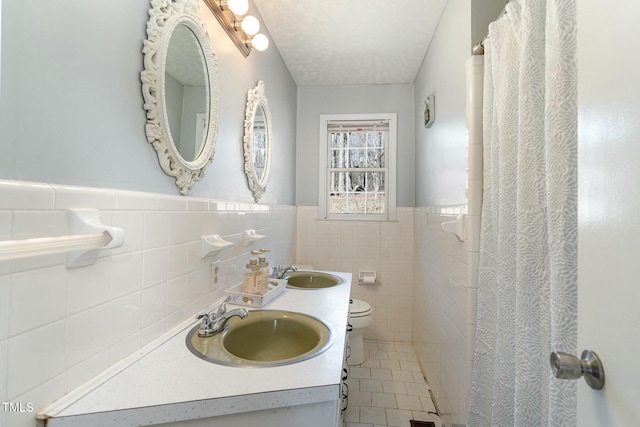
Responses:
[367,278]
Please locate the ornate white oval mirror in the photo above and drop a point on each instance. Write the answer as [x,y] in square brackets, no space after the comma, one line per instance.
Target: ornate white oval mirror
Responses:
[180,89]
[257,140]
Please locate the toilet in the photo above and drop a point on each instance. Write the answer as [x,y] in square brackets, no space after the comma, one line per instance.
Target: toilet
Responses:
[360,317]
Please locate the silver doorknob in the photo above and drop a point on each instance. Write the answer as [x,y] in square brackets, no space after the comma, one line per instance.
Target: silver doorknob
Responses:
[568,367]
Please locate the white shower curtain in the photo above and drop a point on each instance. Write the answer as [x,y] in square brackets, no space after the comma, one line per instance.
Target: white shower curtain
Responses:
[527,284]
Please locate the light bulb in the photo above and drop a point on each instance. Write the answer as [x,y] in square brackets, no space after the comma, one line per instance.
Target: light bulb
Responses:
[238,7]
[250,25]
[260,42]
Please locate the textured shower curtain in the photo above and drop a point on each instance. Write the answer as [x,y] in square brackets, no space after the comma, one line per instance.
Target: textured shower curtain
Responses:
[527,284]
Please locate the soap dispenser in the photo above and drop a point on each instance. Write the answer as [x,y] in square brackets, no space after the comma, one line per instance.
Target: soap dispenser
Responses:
[251,283]
[264,274]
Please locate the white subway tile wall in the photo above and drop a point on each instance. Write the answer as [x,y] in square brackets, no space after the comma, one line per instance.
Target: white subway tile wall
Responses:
[59,327]
[444,306]
[385,247]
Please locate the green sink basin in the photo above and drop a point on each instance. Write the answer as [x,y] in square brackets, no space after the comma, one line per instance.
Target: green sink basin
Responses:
[265,338]
[311,280]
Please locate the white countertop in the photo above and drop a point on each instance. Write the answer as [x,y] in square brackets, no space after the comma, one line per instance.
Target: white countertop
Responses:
[171,384]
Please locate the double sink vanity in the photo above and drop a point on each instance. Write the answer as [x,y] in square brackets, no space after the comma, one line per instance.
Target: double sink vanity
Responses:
[282,365]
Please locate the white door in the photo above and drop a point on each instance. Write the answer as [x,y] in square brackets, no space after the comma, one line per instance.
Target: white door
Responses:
[609,208]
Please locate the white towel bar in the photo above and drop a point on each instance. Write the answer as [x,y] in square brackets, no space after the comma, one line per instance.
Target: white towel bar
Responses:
[87,236]
[16,249]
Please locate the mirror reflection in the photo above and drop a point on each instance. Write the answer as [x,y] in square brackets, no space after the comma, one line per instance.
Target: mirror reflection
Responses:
[259,143]
[186,87]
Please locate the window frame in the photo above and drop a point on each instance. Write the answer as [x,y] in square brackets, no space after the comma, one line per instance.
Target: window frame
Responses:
[390,168]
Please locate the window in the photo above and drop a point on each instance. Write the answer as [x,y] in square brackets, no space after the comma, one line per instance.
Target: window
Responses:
[357,166]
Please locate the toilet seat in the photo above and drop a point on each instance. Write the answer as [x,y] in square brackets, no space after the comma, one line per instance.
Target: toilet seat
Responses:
[359,309]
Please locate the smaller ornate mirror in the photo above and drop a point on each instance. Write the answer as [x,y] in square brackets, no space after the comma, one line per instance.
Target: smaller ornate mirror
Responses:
[180,90]
[257,141]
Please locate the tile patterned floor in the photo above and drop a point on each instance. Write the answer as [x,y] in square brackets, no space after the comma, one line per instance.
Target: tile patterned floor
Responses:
[388,388]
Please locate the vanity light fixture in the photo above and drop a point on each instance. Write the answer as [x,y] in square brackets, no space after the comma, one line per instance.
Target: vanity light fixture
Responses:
[238,7]
[242,31]
[250,25]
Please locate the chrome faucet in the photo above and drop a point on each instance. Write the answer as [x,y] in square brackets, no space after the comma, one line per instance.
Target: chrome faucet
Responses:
[279,271]
[215,321]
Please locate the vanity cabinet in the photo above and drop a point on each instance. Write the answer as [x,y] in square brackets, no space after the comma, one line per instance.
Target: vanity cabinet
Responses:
[323,414]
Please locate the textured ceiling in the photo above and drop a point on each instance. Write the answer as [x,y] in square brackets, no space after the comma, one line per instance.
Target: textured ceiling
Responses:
[351,42]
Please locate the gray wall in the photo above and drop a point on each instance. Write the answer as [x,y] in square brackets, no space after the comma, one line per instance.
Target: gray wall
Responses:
[313,101]
[71,105]
[441,160]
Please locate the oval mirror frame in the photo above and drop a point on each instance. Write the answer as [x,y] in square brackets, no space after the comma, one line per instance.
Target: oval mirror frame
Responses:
[256,99]
[164,17]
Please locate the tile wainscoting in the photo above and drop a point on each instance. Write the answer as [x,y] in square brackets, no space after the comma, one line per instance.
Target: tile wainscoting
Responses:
[385,247]
[446,291]
[428,286]
[60,327]
[89,318]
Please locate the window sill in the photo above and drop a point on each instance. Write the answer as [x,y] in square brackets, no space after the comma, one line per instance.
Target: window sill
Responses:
[358,218]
